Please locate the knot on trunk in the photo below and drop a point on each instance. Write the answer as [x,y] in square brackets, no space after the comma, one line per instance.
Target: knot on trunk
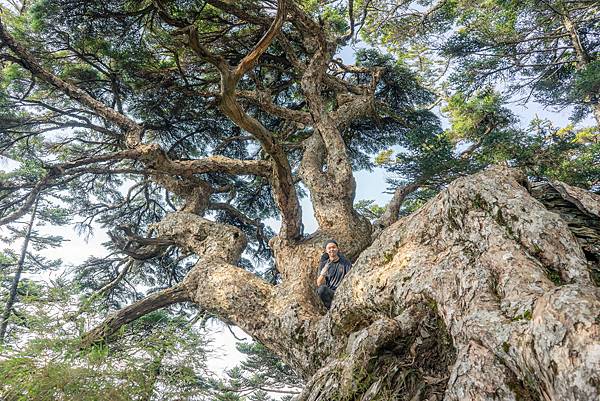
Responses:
[205,238]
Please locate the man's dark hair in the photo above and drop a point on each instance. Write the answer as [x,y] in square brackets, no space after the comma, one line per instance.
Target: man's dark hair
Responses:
[330,241]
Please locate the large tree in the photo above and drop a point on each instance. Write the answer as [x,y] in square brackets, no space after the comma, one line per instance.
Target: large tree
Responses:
[183,125]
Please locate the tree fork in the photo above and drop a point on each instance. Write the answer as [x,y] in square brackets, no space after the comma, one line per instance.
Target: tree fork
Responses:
[503,279]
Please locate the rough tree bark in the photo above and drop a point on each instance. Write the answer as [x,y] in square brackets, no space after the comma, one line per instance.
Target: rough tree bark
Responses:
[514,311]
[485,293]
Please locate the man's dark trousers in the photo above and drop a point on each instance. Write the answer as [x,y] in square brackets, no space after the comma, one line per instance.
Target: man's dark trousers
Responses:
[326,295]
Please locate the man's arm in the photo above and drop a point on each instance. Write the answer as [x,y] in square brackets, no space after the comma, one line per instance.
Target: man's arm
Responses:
[322,275]
[320,280]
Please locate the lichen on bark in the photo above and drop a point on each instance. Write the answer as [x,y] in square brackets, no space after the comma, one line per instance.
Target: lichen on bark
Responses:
[449,303]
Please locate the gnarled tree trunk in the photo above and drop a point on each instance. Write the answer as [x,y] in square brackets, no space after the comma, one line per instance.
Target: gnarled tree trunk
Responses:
[485,293]
[488,292]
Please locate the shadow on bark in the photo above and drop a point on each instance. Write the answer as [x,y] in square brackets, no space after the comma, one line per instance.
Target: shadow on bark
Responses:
[405,358]
[581,216]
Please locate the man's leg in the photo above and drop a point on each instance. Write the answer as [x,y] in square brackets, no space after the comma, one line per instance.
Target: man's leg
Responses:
[326,294]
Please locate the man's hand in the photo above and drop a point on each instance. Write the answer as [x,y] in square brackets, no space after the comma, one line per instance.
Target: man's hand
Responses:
[322,275]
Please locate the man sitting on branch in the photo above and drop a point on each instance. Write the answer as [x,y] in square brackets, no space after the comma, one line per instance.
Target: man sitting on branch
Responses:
[332,269]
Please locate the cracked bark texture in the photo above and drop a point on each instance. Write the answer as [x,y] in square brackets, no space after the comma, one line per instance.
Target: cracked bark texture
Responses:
[485,293]
[509,280]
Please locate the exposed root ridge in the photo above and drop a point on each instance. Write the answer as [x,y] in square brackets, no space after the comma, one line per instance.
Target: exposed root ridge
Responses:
[405,358]
[581,214]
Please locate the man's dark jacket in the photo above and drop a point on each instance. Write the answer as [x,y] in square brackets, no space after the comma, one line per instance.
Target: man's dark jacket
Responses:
[337,270]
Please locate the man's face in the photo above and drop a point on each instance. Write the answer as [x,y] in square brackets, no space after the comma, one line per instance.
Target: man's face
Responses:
[332,250]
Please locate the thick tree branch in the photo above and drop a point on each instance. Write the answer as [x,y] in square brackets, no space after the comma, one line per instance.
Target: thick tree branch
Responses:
[392,211]
[329,175]
[220,164]
[248,61]
[329,124]
[214,282]
[156,162]
[339,168]
[134,311]
[284,189]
